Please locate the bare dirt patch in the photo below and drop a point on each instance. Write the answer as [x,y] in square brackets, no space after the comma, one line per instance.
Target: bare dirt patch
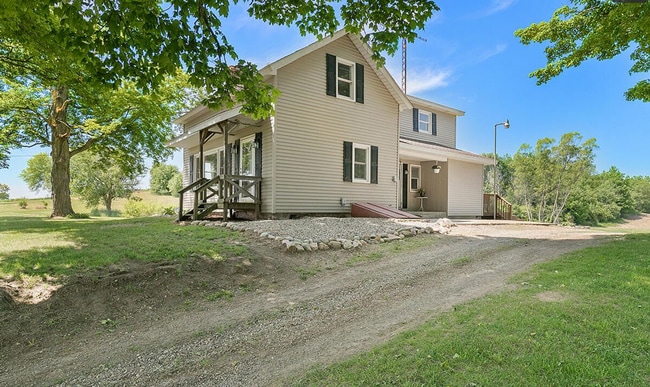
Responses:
[261,320]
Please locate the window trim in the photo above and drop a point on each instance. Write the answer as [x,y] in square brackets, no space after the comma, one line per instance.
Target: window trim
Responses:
[351,81]
[367,162]
[419,178]
[428,122]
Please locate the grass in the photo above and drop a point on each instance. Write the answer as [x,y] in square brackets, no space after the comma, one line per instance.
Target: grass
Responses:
[36,207]
[32,245]
[577,321]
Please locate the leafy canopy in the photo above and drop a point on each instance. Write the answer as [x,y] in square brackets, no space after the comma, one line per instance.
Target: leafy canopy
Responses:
[594,29]
[37,174]
[160,176]
[98,181]
[107,41]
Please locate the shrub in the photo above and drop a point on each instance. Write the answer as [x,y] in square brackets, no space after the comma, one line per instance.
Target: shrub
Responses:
[78,215]
[169,211]
[22,202]
[138,209]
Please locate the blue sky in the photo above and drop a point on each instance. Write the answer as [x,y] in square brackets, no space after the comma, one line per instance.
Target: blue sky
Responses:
[472,61]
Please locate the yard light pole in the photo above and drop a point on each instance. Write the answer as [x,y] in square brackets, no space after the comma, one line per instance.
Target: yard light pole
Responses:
[506,124]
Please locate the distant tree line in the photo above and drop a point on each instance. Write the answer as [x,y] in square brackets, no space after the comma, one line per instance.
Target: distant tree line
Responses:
[557,182]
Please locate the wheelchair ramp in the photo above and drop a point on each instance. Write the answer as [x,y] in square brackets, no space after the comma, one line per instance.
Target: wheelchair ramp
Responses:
[372,210]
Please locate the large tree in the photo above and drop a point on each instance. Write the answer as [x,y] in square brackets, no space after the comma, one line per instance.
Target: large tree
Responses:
[120,122]
[594,29]
[78,49]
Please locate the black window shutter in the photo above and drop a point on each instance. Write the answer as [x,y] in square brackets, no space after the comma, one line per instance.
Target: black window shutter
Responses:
[258,154]
[347,161]
[330,70]
[416,120]
[359,83]
[434,124]
[374,165]
[235,153]
[191,168]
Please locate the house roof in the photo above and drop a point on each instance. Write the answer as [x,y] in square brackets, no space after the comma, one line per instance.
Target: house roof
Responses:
[435,106]
[366,52]
[422,151]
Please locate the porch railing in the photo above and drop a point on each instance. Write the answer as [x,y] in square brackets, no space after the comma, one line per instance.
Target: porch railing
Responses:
[504,208]
[228,192]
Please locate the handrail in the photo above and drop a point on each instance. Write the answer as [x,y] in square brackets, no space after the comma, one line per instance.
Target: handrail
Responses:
[503,207]
[229,188]
[182,194]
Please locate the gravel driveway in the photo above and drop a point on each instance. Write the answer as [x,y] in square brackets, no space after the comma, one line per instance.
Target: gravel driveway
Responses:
[268,337]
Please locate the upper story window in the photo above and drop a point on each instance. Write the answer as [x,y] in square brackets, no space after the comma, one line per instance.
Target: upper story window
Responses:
[424,121]
[344,78]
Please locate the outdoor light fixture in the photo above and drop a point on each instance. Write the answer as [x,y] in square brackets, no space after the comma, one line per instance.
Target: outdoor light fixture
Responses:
[506,124]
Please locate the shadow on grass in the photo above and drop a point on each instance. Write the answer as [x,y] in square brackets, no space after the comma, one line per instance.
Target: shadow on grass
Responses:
[55,247]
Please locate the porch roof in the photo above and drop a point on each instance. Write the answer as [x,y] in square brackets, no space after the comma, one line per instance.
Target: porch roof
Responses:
[422,151]
[190,138]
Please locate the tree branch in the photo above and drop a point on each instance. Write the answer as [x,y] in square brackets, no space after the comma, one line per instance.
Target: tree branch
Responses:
[84,147]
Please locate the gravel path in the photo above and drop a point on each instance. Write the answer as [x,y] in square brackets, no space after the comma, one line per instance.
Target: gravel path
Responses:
[267,338]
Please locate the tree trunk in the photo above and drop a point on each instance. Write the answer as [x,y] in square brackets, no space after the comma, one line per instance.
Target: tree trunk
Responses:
[61,203]
[108,201]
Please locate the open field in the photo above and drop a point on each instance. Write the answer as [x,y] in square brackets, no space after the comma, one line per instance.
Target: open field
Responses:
[43,207]
[147,302]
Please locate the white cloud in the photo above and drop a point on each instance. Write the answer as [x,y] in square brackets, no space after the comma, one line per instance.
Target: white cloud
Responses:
[489,53]
[495,7]
[428,79]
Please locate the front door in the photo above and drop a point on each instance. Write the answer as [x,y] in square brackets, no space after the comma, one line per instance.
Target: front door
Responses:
[405,186]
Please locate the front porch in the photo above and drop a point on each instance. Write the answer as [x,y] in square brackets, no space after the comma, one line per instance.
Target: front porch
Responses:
[227,192]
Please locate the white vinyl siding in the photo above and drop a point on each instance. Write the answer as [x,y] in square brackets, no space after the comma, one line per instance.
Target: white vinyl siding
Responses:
[465,189]
[310,128]
[445,133]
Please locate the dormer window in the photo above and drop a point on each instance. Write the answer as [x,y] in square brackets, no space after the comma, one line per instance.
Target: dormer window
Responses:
[344,78]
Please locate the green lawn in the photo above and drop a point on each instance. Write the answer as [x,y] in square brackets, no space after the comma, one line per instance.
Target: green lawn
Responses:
[32,245]
[581,320]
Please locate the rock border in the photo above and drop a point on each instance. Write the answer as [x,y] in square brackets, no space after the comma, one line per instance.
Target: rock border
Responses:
[293,245]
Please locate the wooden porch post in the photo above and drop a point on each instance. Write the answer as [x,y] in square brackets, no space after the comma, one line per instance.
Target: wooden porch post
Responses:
[225,129]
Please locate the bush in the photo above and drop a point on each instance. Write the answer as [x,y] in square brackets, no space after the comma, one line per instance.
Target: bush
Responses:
[78,215]
[22,203]
[139,209]
[169,211]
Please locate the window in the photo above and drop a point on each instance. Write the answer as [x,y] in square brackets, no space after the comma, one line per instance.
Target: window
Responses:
[415,177]
[344,79]
[361,163]
[424,121]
